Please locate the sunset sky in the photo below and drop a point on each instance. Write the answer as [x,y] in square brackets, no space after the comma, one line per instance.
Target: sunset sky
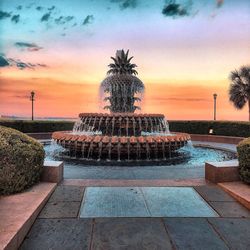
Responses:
[61,49]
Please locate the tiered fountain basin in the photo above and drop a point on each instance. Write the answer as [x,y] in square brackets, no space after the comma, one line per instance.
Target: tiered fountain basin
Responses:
[122,124]
[121,148]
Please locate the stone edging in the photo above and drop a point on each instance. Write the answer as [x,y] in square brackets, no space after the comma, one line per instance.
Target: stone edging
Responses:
[19,212]
[40,136]
[238,190]
[194,137]
[216,138]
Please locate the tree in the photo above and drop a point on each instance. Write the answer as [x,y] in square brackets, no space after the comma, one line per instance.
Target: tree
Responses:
[239,90]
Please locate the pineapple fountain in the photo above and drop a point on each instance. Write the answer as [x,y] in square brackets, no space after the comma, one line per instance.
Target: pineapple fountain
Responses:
[121,136]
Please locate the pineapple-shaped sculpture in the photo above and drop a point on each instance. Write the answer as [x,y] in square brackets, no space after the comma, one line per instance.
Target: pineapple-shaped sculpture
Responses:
[121,85]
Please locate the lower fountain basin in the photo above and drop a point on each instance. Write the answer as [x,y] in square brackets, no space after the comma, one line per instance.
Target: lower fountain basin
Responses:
[121,148]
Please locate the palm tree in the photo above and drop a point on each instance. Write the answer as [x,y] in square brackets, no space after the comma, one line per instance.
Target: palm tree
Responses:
[239,91]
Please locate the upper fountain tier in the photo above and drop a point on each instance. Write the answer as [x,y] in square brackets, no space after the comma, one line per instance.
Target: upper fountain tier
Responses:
[122,124]
[121,89]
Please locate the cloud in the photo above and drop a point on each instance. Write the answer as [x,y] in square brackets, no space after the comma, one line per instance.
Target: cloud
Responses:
[10,62]
[15,18]
[128,4]
[63,19]
[125,4]
[20,96]
[4,14]
[219,3]
[42,65]
[3,61]
[51,8]
[30,5]
[88,20]
[19,64]
[173,9]
[39,8]
[29,46]
[23,65]
[45,17]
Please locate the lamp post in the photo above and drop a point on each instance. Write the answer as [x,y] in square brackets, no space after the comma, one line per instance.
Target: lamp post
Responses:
[215,97]
[32,98]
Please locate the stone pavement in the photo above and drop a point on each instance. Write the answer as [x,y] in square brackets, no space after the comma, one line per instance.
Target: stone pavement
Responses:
[59,225]
[144,202]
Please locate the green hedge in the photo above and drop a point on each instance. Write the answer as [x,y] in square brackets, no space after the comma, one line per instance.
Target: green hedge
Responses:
[37,126]
[21,161]
[243,150]
[228,128]
[240,129]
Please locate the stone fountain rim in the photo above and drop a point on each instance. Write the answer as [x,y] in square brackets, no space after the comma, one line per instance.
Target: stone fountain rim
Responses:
[123,115]
[68,136]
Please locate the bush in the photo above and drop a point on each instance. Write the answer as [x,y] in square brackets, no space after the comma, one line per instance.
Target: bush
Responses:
[243,150]
[26,126]
[21,161]
[228,128]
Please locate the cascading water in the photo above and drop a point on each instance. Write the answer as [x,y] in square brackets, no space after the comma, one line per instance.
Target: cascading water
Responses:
[122,135]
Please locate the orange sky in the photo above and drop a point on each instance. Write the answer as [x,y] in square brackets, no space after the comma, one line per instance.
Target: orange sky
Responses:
[60,99]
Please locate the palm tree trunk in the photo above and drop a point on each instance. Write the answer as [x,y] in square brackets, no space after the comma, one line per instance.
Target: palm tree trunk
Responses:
[249,109]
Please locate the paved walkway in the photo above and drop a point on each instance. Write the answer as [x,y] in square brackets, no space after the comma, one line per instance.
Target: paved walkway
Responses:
[152,208]
[60,226]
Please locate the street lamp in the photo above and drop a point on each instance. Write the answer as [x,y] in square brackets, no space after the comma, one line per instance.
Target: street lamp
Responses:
[215,97]
[32,98]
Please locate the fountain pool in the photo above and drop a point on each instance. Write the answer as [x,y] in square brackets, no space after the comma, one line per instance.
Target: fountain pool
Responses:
[196,155]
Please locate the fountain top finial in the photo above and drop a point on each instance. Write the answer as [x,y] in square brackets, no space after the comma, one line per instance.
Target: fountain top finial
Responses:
[122,88]
[118,53]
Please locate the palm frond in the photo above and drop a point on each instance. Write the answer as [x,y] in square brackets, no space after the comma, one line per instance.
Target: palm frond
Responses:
[237,95]
[245,71]
[234,75]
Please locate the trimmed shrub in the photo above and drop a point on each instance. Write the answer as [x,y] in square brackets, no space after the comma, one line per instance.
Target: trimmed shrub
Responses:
[243,150]
[21,161]
[26,126]
[227,128]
